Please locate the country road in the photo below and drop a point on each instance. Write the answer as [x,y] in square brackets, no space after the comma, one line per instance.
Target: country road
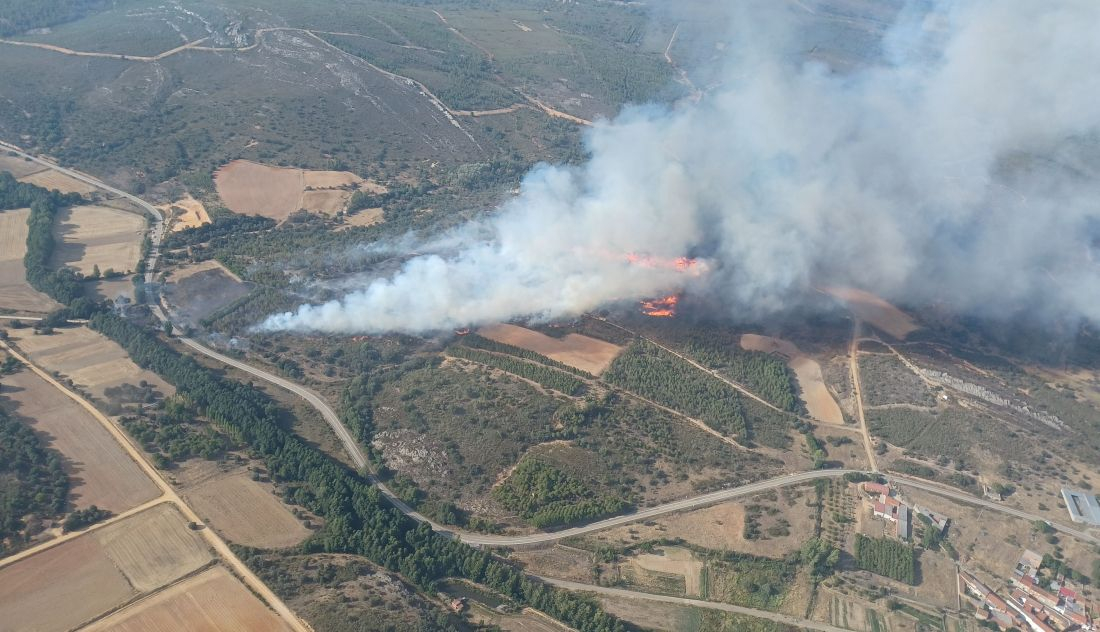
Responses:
[697,603]
[857,390]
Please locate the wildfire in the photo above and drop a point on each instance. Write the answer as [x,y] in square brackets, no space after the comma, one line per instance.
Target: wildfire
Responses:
[683,264]
[661,307]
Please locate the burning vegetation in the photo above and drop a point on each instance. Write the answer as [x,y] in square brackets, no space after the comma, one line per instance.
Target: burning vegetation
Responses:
[661,307]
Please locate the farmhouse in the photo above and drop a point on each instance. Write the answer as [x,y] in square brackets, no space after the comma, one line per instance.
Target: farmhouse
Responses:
[1028,564]
[1082,506]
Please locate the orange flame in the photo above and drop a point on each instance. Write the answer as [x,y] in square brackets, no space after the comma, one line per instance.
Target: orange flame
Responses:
[661,307]
[649,261]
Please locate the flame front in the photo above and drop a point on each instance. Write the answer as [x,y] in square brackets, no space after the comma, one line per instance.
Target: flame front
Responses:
[683,264]
[661,307]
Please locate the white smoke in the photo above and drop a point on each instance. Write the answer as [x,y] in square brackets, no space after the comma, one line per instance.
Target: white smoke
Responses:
[955,170]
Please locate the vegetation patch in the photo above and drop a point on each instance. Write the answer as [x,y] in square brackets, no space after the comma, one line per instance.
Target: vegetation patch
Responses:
[542,375]
[33,483]
[547,497]
[887,557]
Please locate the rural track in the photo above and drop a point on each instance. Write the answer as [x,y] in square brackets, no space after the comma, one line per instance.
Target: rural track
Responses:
[857,390]
[805,624]
[168,494]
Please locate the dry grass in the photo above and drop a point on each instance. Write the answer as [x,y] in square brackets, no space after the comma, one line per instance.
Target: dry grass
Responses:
[15,292]
[19,166]
[527,621]
[50,179]
[276,192]
[90,360]
[246,511]
[186,213]
[581,352]
[212,601]
[100,471]
[674,561]
[61,587]
[819,401]
[653,615]
[88,236]
[874,310]
[365,217]
[153,547]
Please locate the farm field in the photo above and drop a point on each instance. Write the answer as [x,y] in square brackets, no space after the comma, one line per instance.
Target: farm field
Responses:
[186,212]
[365,217]
[101,473]
[18,166]
[276,192]
[90,236]
[50,179]
[244,511]
[673,561]
[194,292]
[106,568]
[876,311]
[576,350]
[212,601]
[15,293]
[820,403]
[92,361]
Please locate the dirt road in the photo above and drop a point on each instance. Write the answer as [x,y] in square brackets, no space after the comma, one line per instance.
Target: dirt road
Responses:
[853,367]
[806,624]
[168,494]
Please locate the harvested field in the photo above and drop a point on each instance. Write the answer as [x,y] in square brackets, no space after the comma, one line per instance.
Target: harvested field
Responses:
[101,473]
[61,587]
[15,293]
[212,601]
[153,547]
[92,361]
[874,310]
[819,401]
[528,621]
[276,192]
[674,561]
[50,179]
[196,291]
[186,213]
[19,166]
[576,350]
[110,289]
[88,236]
[246,511]
[365,217]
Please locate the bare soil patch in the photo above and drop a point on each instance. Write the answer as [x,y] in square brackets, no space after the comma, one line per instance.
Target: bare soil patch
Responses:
[100,471]
[153,547]
[19,166]
[276,192]
[61,587]
[246,511]
[90,360]
[88,236]
[365,217]
[186,213]
[50,179]
[819,401]
[576,350]
[212,601]
[15,292]
[675,561]
[876,311]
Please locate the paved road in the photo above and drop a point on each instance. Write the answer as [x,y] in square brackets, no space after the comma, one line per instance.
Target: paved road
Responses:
[168,493]
[698,603]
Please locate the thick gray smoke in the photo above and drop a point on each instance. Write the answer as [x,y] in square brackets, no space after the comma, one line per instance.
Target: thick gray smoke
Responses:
[954,170]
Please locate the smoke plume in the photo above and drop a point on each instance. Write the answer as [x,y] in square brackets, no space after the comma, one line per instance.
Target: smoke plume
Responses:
[956,168]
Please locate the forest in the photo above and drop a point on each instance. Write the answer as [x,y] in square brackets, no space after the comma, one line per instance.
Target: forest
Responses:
[357,518]
[652,372]
[543,375]
[887,557]
[32,481]
[762,373]
[17,16]
[547,497]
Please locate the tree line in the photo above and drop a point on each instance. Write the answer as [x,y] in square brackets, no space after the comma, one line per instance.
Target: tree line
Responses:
[32,481]
[762,373]
[545,496]
[544,375]
[476,341]
[887,557]
[357,518]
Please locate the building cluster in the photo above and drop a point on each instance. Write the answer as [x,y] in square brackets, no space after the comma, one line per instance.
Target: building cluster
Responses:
[1035,603]
[887,506]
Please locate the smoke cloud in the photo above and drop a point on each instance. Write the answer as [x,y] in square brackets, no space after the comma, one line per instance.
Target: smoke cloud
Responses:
[958,168]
